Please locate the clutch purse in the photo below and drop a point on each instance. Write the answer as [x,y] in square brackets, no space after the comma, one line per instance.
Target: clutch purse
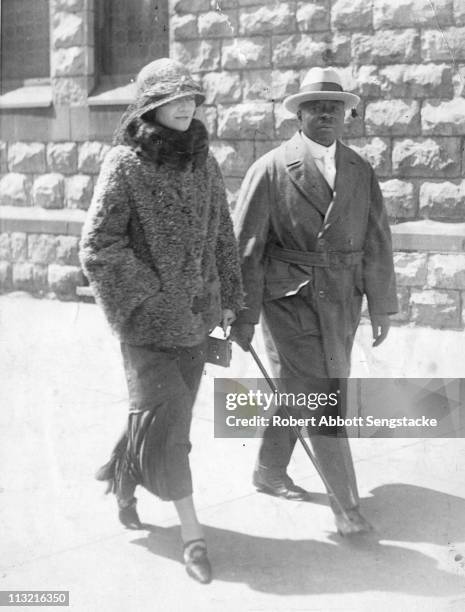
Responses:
[219,351]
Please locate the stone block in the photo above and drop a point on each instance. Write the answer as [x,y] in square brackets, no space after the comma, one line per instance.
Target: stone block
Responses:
[418,81]
[184,27]
[269,84]
[68,30]
[5,276]
[387,47]
[377,151]
[442,201]
[340,50]
[63,280]
[67,250]
[191,6]
[71,5]
[354,127]
[459,12]
[246,121]
[257,85]
[435,308]
[23,277]
[246,53]
[41,248]
[277,18]
[91,156]
[443,117]
[400,199]
[263,146]
[222,87]
[15,190]
[18,241]
[234,157]
[313,16]
[446,271]
[443,44]
[361,80]
[71,91]
[70,62]
[283,83]
[48,191]
[3,157]
[285,123]
[26,157]
[40,278]
[426,157]
[412,13]
[62,157]
[458,80]
[78,191]
[217,25]
[209,116]
[351,14]
[300,50]
[411,269]
[5,247]
[393,118]
[198,55]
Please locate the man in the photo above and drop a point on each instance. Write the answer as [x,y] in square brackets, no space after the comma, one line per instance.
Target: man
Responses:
[313,238]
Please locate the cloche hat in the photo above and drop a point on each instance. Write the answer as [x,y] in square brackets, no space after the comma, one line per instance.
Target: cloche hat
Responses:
[320,84]
[163,81]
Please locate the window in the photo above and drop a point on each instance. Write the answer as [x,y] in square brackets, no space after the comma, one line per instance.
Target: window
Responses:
[25,53]
[128,35]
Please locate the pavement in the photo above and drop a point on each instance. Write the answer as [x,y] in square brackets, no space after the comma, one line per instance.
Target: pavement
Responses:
[63,402]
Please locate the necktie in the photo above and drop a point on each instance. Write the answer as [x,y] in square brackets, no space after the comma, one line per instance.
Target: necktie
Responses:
[327,168]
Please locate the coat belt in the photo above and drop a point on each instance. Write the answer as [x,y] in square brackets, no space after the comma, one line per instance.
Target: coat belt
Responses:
[323,259]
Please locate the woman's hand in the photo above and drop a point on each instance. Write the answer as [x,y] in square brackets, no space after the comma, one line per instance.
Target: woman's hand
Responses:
[227,319]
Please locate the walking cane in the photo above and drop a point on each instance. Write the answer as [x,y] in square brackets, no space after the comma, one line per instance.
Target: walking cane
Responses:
[299,435]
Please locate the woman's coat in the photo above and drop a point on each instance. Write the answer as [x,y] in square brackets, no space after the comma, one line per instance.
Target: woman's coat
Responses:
[159,250]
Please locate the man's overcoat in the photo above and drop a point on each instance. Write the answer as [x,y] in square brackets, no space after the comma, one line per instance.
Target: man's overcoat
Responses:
[315,252]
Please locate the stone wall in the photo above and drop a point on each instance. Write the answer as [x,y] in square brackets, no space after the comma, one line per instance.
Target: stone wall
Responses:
[405,58]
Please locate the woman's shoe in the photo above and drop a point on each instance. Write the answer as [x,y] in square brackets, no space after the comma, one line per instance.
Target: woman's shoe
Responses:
[127,514]
[196,561]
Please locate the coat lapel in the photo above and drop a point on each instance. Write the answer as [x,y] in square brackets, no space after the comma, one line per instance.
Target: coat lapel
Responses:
[305,175]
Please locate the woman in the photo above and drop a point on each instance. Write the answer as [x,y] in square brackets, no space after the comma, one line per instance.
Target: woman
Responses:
[159,251]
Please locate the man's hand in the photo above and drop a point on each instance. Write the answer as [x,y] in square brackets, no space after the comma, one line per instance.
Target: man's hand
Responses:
[380,325]
[227,319]
[242,334]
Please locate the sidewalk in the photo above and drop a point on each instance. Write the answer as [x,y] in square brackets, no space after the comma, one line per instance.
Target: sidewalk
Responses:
[63,401]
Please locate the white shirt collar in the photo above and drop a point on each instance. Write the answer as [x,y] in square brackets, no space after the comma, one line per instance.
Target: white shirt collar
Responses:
[319,151]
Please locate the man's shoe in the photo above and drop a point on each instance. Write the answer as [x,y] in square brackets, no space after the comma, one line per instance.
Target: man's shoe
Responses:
[196,561]
[352,523]
[279,487]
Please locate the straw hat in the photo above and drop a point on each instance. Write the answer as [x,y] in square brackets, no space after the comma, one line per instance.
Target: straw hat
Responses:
[320,84]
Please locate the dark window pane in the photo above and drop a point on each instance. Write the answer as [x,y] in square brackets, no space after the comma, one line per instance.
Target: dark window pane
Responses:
[131,34]
[25,39]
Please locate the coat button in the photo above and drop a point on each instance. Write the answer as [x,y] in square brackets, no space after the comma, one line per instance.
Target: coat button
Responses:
[322,293]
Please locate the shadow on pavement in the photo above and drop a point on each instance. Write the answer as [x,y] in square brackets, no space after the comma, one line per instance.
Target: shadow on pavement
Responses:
[365,563]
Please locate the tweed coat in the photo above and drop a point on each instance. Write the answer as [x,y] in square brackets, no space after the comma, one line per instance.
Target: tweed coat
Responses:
[159,249]
[285,203]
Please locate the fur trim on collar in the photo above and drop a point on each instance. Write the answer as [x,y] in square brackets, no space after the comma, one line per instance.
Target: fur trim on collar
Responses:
[169,147]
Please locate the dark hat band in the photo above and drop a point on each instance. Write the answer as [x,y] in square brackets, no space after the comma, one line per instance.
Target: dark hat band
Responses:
[321,86]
